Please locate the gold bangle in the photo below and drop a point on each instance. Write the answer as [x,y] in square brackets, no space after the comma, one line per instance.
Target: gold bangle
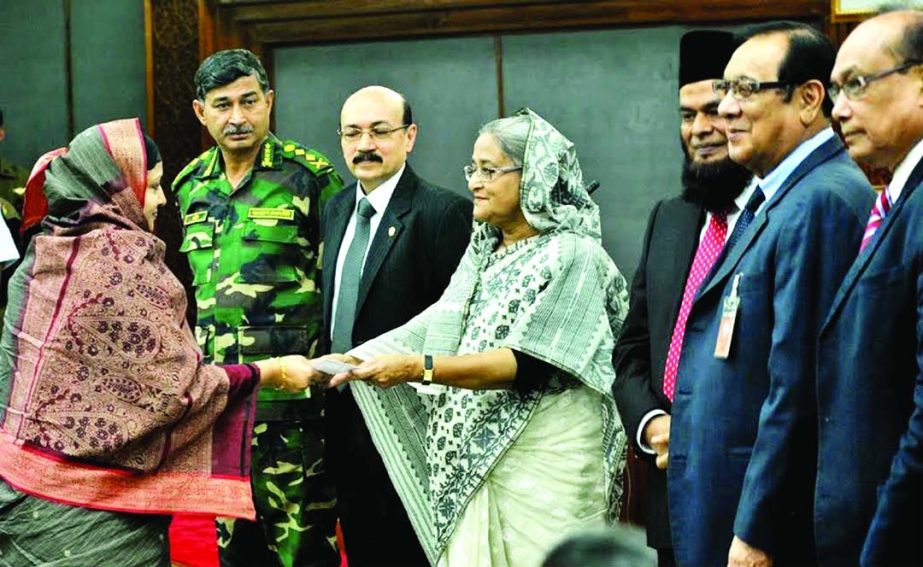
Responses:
[282,371]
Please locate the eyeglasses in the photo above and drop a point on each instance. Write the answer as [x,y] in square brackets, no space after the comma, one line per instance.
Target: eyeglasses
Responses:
[743,87]
[377,133]
[487,174]
[855,87]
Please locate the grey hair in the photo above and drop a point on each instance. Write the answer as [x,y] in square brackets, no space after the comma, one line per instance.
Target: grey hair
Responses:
[224,67]
[511,134]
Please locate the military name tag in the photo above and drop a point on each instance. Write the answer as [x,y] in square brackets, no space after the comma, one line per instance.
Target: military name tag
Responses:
[728,319]
[272,214]
[193,218]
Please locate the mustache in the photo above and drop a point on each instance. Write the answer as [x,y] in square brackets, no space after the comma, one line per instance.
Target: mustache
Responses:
[235,130]
[366,156]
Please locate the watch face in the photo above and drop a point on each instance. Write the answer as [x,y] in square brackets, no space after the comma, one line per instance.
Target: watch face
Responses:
[427,369]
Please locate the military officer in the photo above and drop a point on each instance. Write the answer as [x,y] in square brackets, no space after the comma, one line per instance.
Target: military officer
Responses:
[250,209]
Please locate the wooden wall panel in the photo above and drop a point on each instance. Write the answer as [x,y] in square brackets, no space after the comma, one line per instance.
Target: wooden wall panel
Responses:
[174,43]
[314,22]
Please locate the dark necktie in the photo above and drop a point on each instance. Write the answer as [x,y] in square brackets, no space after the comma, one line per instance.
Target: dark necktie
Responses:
[744,220]
[350,277]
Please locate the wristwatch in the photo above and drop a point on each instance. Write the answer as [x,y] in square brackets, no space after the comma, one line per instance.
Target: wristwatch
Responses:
[427,369]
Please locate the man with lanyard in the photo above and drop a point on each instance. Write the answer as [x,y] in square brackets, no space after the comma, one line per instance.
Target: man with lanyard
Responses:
[684,237]
[251,211]
[742,460]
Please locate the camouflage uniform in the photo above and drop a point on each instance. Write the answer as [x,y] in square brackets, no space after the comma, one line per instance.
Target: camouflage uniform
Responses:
[12,181]
[254,258]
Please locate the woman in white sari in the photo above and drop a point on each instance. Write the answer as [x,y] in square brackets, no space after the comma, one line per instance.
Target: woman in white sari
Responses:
[517,441]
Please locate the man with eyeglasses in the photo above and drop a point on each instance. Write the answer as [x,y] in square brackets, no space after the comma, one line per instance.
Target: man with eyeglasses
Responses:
[392,241]
[684,237]
[742,443]
[251,215]
[870,359]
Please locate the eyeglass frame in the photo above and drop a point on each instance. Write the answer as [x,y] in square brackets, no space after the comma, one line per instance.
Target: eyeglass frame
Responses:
[834,90]
[378,136]
[756,86]
[470,170]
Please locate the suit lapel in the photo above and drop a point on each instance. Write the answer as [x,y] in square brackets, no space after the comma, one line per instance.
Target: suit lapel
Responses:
[687,220]
[389,231]
[340,209]
[865,256]
[729,261]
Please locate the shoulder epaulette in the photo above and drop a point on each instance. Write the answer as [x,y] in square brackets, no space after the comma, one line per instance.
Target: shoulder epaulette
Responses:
[311,159]
[192,166]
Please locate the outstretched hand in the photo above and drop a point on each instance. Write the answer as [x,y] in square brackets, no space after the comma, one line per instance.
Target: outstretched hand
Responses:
[384,371]
[300,374]
[292,373]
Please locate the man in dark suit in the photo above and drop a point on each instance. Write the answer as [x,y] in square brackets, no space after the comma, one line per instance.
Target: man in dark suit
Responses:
[675,234]
[870,358]
[742,456]
[392,243]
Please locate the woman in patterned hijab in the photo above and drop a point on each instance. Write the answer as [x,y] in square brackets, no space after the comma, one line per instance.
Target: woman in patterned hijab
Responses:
[517,442]
[109,421]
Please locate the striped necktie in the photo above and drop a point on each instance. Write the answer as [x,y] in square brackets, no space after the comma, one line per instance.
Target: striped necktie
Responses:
[876,217]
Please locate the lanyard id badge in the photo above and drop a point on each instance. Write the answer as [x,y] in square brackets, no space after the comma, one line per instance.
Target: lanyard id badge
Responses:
[728,319]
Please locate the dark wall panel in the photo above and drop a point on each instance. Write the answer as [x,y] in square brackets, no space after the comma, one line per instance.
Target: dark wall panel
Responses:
[33,84]
[107,65]
[108,61]
[614,94]
[451,84]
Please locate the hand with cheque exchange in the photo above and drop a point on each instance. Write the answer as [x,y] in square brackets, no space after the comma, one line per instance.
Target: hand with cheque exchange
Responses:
[292,373]
[383,371]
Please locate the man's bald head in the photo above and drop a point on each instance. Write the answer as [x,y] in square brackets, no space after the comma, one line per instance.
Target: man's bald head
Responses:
[879,72]
[385,96]
[376,134]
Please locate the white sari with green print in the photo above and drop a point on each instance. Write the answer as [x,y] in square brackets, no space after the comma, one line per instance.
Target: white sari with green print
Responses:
[493,478]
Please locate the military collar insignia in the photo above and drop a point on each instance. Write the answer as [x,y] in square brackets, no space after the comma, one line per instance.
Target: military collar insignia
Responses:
[270,156]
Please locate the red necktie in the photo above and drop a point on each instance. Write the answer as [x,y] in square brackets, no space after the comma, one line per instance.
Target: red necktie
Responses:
[709,249]
[879,211]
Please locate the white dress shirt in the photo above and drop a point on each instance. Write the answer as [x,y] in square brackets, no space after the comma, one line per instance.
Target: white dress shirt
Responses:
[902,172]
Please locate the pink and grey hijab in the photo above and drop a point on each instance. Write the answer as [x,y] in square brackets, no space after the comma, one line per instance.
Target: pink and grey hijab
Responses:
[104,400]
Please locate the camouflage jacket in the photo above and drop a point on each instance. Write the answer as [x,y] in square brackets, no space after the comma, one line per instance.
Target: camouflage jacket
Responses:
[254,253]
[12,179]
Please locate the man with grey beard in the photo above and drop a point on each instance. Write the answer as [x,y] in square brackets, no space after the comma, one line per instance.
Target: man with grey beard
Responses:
[685,236]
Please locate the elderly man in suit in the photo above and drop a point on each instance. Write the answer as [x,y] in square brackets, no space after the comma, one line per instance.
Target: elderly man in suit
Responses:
[870,360]
[392,243]
[742,456]
[684,237]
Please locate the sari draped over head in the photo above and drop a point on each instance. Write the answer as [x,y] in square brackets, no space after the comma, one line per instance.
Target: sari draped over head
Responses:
[568,301]
[104,401]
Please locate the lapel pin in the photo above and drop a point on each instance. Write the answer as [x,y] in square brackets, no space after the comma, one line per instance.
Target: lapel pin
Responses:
[391,232]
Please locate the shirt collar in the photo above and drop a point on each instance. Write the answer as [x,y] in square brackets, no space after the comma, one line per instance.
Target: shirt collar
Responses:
[269,157]
[381,196]
[902,172]
[777,177]
[741,200]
